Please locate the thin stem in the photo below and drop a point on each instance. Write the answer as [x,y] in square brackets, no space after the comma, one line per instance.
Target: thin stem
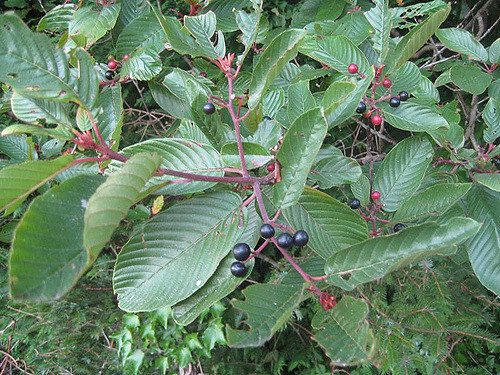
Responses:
[96,128]
[290,260]
[260,202]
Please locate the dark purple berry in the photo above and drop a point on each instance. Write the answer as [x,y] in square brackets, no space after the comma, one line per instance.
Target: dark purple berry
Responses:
[109,75]
[285,240]
[399,227]
[267,118]
[354,204]
[266,231]
[403,96]
[300,238]
[209,108]
[238,269]
[241,251]
[361,107]
[394,102]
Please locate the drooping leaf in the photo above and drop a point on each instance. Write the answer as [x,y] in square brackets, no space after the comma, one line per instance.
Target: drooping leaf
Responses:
[380,18]
[93,24]
[177,251]
[491,116]
[331,225]
[426,91]
[433,201]
[484,247]
[144,32]
[402,172]
[202,27]
[490,180]
[300,99]
[300,145]
[225,11]
[57,19]
[337,93]
[130,10]
[47,256]
[361,190]
[19,180]
[335,170]
[16,129]
[372,259]
[470,78]
[494,52]
[86,82]
[282,49]
[110,114]
[344,332]
[255,155]
[112,200]
[143,65]
[268,307]
[412,116]
[461,41]
[418,36]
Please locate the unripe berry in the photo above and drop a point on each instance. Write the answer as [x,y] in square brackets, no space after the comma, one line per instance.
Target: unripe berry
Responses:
[209,108]
[266,231]
[361,107]
[375,195]
[300,238]
[354,204]
[126,57]
[403,96]
[394,102]
[376,120]
[270,167]
[238,269]
[285,240]
[112,64]
[241,251]
[386,83]
[367,114]
[353,68]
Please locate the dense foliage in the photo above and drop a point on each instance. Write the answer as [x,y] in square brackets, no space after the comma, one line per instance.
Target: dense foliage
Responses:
[266,187]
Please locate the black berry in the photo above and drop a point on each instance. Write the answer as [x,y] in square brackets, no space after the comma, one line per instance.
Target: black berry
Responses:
[399,227]
[209,108]
[285,240]
[241,251]
[403,96]
[361,107]
[109,74]
[238,269]
[394,102]
[267,118]
[266,231]
[300,238]
[354,204]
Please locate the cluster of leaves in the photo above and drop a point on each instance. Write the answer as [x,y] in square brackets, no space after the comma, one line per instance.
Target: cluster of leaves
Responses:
[293,105]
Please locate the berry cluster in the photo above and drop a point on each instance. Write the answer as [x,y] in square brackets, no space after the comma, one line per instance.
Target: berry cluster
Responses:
[241,252]
[394,101]
[113,65]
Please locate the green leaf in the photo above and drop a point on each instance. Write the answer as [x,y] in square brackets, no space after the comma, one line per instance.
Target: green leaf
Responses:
[214,334]
[7,231]
[361,190]
[182,156]
[426,90]
[32,110]
[30,64]
[282,49]
[268,307]
[336,94]
[491,116]
[380,18]
[412,116]
[344,332]
[353,25]
[112,200]
[338,52]
[85,168]
[18,147]
[267,134]
[211,126]
[470,78]
[332,226]
[300,100]
[110,114]
[402,172]
[248,23]
[296,155]
[86,82]
[144,32]
[255,155]
[272,103]
[93,24]
[372,259]
[418,36]
[161,264]
[335,170]
[202,27]
[484,247]
[130,10]
[57,19]
[461,41]
[133,362]
[317,10]
[433,201]
[490,180]
[47,256]
[494,52]
[20,180]
[225,11]
[406,78]
[143,65]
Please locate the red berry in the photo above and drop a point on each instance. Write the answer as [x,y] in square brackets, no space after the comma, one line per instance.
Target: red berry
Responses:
[367,114]
[353,68]
[112,65]
[270,167]
[375,195]
[376,120]
[203,74]
[126,57]
[386,83]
